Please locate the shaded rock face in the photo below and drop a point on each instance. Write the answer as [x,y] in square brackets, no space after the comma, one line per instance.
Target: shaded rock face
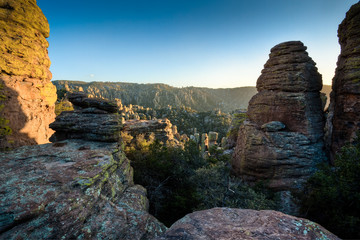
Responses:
[73,189]
[161,128]
[231,224]
[282,140]
[24,73]
[345,96]
[93,120]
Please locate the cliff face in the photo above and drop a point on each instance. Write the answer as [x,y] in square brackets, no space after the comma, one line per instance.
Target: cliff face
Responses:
[24,73]
[345,96]
[282,141]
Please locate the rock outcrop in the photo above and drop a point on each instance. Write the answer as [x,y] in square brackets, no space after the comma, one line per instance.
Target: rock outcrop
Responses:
[345,96]
[93,119]
[72,189]
[161,129]
[231,224]
[24,73]
[282,140]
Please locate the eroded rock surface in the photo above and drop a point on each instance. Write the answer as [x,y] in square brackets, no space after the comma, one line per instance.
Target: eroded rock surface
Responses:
[24,73]
[231,224]
[93,119]
[160,128]
[345,96]
[73,189]
[282,141]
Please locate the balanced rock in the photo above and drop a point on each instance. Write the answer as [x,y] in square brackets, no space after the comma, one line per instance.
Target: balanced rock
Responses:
[24,73]
[73,189]
[282,140]
[345,96]
[93,119]
[233,224]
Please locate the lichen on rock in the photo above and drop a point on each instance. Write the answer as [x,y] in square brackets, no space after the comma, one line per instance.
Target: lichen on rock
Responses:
[25,74]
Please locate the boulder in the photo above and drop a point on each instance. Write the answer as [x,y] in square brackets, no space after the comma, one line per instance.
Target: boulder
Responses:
[231,224]
[282,141]
[72,189]
[24,73]
[344,108]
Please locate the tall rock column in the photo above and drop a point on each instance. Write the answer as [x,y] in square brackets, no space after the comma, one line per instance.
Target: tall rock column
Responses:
[282,140]
[24,73]
[345,96]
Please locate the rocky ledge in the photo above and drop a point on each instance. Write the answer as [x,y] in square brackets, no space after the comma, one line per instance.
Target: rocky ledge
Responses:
[72,190]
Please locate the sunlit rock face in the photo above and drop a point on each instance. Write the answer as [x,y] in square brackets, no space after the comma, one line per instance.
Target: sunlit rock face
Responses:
[345,96]
[282,140]
[24,73]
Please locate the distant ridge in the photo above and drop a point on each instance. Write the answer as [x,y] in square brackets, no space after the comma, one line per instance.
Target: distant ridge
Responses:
[161,95]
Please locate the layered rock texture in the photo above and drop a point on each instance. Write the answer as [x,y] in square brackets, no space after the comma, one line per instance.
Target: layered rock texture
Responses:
[93,119]
[345,96]
[72,189]
[231,224]
[24,73]
[161,129]
[282,141]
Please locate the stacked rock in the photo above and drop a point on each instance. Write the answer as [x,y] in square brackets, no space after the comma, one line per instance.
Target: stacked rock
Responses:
[93,119]
[282,141]
[345,96]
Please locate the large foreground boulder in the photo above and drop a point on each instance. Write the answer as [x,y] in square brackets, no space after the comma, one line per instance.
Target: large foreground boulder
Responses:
[345,96]
[24,73]
[282,141]
[234,224]
[73,189]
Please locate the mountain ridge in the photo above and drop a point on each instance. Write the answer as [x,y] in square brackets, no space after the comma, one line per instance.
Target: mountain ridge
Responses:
[160,95]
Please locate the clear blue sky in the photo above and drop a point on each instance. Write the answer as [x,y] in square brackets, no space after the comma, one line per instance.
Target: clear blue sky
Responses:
[207,43]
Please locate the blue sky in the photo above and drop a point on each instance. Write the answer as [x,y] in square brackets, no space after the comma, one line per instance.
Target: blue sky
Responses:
[204,43]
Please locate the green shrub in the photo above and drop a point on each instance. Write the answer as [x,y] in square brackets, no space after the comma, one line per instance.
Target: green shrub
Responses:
[179,180]
[332,195]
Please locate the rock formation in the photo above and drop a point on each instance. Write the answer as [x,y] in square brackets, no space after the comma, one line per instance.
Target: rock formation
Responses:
[73,189]
[24,73]
[282,141]
[231,224]
[160,128]
[93,119]
[345,96]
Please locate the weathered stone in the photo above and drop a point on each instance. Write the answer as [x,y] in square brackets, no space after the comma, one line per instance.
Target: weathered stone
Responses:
[93,120]
[24,73]
[82,101]
[290,69]
[231,224]
[273,126]
[283,159]
[72,190]
[345,96]
[87,126]
[161,128]
[288,100]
